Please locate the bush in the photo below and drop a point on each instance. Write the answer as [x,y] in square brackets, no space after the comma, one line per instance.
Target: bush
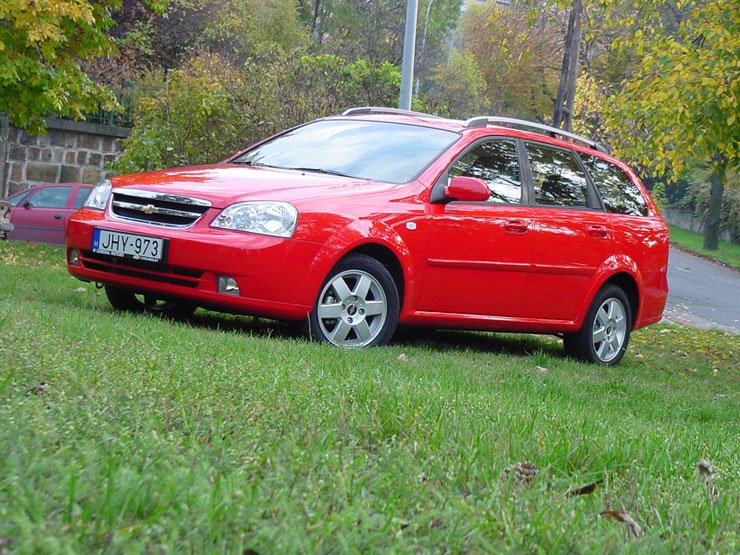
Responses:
[208,109]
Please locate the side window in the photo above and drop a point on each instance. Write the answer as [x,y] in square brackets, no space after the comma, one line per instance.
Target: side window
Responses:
[15,199]
[51,197]
[82,194]
[616,189]
[557,178]
[496,163]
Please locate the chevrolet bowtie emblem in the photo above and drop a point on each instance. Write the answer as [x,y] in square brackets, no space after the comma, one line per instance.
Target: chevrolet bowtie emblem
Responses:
[149,209]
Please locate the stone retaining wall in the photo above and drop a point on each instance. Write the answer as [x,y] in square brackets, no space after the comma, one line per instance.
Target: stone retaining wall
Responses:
[71,152]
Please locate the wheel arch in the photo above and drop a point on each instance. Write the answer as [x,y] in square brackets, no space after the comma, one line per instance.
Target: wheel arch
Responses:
[373,239]
[627,283]
[387,258]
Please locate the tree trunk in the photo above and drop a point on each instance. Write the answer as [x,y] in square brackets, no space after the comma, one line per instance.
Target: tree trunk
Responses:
[562,116]
[717,181]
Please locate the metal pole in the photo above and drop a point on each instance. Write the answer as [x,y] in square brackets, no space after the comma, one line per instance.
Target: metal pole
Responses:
[407,66]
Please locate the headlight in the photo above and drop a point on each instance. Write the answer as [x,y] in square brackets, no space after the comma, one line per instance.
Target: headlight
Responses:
[266,218]
[98,197]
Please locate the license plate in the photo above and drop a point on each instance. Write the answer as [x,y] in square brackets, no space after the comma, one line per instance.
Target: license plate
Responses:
[128,245]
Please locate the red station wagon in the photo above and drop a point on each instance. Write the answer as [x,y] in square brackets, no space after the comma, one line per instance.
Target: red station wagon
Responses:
[356,223]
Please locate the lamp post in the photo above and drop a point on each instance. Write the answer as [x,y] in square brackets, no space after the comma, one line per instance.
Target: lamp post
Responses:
[409,44]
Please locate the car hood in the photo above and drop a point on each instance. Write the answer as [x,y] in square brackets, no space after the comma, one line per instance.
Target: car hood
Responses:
[225,184]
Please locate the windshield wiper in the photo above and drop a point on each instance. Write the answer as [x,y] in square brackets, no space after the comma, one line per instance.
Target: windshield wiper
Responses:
[321,170]
[251,163]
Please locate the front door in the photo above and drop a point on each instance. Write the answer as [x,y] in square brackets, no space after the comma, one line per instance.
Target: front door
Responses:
[480,253]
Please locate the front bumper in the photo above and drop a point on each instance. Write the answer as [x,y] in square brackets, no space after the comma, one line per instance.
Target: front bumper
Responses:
[271,272]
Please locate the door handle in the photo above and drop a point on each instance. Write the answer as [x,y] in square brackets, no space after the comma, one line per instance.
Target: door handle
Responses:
[58,216]
[516,226]
[598,231]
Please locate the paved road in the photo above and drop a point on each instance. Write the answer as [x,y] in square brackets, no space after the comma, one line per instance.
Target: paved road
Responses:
[702,294]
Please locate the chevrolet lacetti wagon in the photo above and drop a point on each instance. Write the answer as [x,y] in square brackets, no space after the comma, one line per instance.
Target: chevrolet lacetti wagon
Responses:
[356,223]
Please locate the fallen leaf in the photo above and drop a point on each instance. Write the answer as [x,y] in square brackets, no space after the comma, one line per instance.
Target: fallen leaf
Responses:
[38,389]
[583,490]
[706,470]
[633,529]
[436,523]
[81,290]
[402,357]
[542,369]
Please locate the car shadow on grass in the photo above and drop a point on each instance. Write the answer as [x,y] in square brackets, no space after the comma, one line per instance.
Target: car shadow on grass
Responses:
[425,338]
[477,341]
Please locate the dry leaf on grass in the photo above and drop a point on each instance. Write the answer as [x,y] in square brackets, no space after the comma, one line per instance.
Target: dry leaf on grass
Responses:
[633,529]
[38,389]
[583,490]
[402,357]
[706,470]
[542,369]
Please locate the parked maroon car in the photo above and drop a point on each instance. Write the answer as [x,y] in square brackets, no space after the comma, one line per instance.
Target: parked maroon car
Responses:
[40,214]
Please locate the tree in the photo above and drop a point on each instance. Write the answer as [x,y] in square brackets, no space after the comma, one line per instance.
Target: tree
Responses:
[42,43]
[516,51]
[459,87]
[680,108]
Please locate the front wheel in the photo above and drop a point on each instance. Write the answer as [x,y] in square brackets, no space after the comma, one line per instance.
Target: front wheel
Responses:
[358,304]
[127,300]
[605,332]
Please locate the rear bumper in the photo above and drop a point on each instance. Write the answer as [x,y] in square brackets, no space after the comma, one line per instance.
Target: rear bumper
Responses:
[270,271]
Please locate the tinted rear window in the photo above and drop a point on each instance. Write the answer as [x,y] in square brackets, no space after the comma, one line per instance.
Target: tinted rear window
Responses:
[618,192]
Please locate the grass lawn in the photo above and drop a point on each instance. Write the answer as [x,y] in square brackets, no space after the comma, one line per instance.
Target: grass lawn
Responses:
[124,434]
[727,253]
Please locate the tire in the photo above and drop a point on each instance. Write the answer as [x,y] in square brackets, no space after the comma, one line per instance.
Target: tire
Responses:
[605,333]
[127,300]
[357,305]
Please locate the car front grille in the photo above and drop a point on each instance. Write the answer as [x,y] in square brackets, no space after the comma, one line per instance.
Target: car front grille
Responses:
[157,208]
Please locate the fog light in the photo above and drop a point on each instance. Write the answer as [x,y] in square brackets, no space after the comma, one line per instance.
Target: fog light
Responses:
[228,285]
[74,257]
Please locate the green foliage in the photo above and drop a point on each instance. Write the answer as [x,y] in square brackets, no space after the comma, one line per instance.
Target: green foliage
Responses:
[42,43]
[240,29]
[459,87]
[680,107]
[209,109]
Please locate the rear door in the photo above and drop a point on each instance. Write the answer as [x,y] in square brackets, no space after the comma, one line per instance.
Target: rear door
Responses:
[570,233]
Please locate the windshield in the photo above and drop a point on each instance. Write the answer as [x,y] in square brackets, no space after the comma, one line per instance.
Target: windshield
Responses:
[378,151]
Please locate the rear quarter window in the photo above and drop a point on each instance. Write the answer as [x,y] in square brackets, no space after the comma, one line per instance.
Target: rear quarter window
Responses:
[618,192]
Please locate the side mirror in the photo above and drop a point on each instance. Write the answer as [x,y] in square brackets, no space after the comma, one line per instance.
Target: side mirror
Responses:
[27,204]
[467,189]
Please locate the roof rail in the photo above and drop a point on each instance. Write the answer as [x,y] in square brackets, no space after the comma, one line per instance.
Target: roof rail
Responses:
[483,121]
[380,110]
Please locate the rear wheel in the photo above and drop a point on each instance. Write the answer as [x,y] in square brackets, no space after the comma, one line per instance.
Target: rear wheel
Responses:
[358,304]
[605,333]
[121,298]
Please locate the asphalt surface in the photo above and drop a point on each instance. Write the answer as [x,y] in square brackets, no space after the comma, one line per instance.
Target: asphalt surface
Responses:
[702,294]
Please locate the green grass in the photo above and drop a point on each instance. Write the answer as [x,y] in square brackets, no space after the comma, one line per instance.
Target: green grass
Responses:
[126,434]
[727,253]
